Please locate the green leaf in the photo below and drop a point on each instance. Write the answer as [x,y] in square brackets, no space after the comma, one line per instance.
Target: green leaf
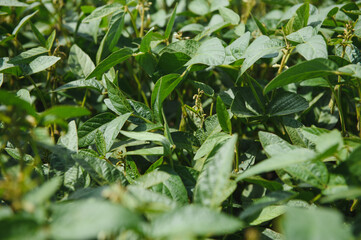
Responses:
[148,201]
[145,43]
[173,187]
[170,24]
[211,52]
[12,3]
[262,47]
[23,21]
[152,151]
[268,213]
[353,70]
[30,228]
[24,95]
[41,194]
[300,19]
[229,15]
[236,49]
[117,98]
[50,41]
[87,130]
[260,26]
[315,223]
[286,103]
[28,56]
[318,67]
[6,67]
[152,178]
[113,59]
[82,83]
[191,221]
[329,143]
[148,136]
[99,169]
[168,84]
[103,11]
[271,185]
[273,144]
[64,112]
[87,219]
[199,7]
[353,163]
[314,173]
[314,47]
[214,177]
[278,162]
[302,35]
[113,128]
[39,64]
[112,36]
[79,62]
[208,90]
[209,144]
[9,99]
[38,34]
[223,116]
[100,143]
[70,139]
[244,104]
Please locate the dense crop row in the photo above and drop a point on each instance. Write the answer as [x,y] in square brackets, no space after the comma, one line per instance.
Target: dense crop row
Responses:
[190,119]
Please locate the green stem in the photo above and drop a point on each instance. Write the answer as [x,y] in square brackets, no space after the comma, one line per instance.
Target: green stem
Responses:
[41,96]
[141,11]
[126,9]
[84,98]
[336,91]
